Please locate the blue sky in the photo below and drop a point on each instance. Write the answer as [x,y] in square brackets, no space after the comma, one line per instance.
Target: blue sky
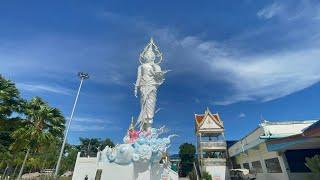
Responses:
[243,59]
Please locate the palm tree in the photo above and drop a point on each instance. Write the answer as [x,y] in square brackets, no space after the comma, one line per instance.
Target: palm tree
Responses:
[7,158]
[42,124]
[10,106]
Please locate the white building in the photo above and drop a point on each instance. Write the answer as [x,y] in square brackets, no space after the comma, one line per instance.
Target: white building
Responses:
[276,150]
[211,144]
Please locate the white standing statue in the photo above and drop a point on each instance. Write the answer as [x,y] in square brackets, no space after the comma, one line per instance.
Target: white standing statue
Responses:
[150,76]
[141,155]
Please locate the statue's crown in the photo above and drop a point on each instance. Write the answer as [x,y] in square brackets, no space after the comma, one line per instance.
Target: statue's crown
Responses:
[150,50]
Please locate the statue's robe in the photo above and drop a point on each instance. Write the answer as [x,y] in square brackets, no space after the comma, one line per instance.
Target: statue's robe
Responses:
[148,84]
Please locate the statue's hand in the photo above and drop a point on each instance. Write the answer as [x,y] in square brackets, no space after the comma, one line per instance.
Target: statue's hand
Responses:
[165,71]
[160,74]
[159,77]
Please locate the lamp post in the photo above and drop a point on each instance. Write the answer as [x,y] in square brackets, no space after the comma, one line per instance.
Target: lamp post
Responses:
[82,76]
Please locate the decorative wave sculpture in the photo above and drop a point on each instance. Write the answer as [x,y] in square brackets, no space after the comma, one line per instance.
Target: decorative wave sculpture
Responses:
[139,146]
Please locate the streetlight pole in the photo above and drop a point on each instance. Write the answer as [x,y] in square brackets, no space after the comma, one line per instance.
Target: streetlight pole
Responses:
[82,76]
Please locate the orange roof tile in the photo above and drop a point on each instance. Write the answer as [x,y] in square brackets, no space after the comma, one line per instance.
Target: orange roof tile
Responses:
[199,118]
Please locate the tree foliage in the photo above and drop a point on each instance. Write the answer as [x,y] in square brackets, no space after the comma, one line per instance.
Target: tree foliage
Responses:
[69,158]
[313,164]
[187,155]
[10,103]
[10,107]
[206,176]
[9,99]
[90,146]
[42,125]
[192,175]
[37,126]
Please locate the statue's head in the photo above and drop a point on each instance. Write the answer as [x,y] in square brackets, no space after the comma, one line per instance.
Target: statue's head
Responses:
[151,53]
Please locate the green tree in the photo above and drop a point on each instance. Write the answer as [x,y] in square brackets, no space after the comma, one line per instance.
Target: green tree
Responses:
[107,142]
[9,100]
[186,153]
[49,154]
[9,107]
[192,175]
[7,159]
[206,176]
[42,125]
[90,146]
[69,158]
[313,163]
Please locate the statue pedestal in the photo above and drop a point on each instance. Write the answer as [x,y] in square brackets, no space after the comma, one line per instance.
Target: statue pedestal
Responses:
[115,171]
[141,171]
[134,171]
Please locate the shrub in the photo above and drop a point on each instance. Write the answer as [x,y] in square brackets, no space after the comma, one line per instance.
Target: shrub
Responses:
[206,176]
[192,175]
[314,164]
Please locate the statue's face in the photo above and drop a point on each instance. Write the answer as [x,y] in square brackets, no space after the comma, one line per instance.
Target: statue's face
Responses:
[149,55]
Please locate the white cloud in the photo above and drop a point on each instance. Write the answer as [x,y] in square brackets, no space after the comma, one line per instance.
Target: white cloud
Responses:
[270,11]
[90,120]
[86,123]
[85,128]
[242,115]
[255,75]
[44,88]
[261,77]
[270,76]
[291,11]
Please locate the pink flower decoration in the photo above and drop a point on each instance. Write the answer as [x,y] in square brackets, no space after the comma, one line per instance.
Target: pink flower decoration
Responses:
[133,135]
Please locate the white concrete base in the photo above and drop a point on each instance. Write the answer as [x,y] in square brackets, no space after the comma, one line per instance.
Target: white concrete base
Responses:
[114,171]
[136,171]
[85,166]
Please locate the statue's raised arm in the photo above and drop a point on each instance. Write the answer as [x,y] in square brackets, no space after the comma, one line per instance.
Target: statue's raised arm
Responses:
[149,77]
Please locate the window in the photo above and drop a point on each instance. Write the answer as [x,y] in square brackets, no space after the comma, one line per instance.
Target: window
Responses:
[273,165]
[246,166]
[256,165]
[297,158]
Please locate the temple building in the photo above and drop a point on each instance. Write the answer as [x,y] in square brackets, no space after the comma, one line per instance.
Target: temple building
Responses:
[211,144]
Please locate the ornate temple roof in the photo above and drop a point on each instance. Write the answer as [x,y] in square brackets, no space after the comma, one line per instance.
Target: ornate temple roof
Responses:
[200,119]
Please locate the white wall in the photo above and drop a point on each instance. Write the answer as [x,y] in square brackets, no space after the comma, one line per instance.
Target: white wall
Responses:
[216,171]
[85,166]
[115,171]
[136,171]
